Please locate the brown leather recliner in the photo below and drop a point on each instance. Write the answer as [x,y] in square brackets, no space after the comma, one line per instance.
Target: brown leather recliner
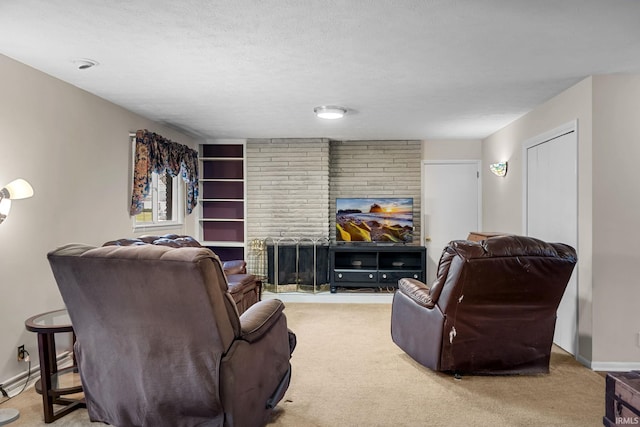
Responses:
[491,310]
[159,340]
[245,289]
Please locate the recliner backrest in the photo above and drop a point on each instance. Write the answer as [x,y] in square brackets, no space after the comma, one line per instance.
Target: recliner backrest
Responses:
[497,291]
[485,265]
[164,312]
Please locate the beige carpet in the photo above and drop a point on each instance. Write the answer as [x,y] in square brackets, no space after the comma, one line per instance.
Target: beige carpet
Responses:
[348,372]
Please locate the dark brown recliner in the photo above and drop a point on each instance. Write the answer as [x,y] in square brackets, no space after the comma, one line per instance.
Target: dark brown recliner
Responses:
[245,289]
[160,343]
[491,310]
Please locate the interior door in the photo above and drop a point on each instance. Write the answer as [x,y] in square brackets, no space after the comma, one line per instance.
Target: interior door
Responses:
[451,206]
[551,211]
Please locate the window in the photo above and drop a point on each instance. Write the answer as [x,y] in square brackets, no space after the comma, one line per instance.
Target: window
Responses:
[164,204]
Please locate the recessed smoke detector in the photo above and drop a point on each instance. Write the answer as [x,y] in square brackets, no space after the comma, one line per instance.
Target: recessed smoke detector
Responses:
[84,63]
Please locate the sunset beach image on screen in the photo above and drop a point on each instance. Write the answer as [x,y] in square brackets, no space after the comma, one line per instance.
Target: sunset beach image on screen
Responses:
[384,220]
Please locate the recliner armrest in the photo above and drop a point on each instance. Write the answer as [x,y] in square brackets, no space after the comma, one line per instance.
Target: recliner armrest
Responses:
[237,266]
[416,291]
[259,318]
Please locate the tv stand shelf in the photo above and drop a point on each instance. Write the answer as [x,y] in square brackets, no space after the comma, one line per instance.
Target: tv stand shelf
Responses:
[375,266]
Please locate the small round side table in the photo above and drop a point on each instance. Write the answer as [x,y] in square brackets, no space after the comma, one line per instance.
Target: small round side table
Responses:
[54,383]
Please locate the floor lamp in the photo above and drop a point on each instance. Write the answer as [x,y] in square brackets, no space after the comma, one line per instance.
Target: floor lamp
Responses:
[18,189]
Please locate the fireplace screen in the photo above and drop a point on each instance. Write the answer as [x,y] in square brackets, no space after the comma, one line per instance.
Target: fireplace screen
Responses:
[298,262]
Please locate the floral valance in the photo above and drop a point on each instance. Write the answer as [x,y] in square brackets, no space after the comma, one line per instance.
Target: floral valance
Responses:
[156,154]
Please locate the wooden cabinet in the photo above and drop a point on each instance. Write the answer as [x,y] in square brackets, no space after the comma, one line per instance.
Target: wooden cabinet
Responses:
[222,199]
[375,266]
[622,398]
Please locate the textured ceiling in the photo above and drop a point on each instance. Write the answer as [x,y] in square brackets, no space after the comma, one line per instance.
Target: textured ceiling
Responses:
[405,69]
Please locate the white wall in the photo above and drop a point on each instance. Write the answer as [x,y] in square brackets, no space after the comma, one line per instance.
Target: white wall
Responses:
[458,149]
[74,149]
[616,215]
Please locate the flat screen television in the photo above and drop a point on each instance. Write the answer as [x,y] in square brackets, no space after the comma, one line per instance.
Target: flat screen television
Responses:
[377,220]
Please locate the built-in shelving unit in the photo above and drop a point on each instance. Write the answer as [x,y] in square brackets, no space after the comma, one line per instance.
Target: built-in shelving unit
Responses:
[222,199]
[375,265]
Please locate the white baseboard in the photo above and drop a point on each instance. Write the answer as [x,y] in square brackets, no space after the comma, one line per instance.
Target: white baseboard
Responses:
[609,366]
[615,366]
[28,378]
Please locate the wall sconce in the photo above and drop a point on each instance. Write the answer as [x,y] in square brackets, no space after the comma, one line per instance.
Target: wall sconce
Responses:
[17,189]
[499,169]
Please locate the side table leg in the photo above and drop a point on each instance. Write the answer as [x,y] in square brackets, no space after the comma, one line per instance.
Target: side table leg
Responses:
[73,349]
[46,351]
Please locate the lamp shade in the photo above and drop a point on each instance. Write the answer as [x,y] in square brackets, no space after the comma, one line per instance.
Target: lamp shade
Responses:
[17,189]
[5,207]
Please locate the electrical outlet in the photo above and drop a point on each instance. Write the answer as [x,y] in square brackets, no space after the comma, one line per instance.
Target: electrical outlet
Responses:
[21,353]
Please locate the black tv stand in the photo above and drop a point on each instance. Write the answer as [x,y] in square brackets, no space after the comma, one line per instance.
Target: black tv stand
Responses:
[375,266]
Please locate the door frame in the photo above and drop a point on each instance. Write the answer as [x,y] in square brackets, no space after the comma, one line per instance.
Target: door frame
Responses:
[425,163]
[566,128]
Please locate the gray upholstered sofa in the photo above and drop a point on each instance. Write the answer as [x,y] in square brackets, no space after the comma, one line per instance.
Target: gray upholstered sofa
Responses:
[160,341]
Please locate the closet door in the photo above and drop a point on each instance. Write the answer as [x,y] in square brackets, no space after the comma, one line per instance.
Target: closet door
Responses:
[551,211]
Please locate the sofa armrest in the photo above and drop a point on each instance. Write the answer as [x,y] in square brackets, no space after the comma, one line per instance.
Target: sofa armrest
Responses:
[417,291]
[259,318]
[234,267]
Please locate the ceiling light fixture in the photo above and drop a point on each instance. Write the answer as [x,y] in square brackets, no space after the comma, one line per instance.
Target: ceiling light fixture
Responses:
[330,112]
